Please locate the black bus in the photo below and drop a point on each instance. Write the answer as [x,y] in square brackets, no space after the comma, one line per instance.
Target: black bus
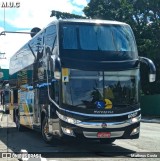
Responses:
[80,79]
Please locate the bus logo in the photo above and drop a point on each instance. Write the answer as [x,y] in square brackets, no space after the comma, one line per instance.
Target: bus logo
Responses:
[100,104]
[104,125]
[108,104]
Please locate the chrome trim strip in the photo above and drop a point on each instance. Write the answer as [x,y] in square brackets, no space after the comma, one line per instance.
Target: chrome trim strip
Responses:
[98,125]
[99,115]
[94,134]
[110,125]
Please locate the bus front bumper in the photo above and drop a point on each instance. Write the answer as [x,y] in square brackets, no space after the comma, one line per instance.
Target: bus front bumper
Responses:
[128,129]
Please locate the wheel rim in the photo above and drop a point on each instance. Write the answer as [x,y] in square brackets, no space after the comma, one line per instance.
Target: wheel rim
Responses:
[46,130]
[47,137]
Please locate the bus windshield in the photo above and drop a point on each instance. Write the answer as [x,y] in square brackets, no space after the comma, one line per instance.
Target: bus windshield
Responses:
[86,88]
[98,37]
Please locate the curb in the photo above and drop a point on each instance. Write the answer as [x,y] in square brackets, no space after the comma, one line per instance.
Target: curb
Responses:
[149,120]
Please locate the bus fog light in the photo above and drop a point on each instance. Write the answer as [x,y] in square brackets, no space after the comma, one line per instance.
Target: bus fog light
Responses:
[68,131]
[135,131]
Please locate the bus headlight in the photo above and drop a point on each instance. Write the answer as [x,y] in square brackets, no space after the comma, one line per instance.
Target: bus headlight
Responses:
[71,120]
[136,119]
[68,119]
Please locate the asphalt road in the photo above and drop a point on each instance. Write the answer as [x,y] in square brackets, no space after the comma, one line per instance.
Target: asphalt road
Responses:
[13,141]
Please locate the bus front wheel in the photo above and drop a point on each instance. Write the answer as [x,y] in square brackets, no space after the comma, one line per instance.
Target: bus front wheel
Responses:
[17,121]
[45,131]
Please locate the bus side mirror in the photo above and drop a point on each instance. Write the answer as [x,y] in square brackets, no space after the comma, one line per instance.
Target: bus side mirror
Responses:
[57,67]
[152,68]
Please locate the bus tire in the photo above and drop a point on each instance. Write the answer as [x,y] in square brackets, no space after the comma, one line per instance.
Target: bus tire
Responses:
[19,127]
[44,130]
[107,141]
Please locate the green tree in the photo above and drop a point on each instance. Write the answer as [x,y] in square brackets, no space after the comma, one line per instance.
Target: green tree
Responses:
[64,15]
[144,18]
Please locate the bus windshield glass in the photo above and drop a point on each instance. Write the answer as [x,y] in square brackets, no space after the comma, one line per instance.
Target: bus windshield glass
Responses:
[85,88]
[98,37]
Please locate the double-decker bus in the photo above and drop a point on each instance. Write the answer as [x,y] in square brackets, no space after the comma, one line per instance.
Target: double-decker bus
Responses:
[80,79]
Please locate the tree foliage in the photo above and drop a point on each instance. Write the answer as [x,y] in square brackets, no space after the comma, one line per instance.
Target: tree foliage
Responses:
[65,15]
[144,18]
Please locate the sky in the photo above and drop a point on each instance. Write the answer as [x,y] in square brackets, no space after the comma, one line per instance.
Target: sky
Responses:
[25,15]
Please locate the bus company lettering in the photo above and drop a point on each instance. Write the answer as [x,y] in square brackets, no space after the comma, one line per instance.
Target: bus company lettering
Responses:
[132,115]
[103,112]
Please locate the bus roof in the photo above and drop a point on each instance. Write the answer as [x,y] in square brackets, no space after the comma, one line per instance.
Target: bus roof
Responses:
[92,21]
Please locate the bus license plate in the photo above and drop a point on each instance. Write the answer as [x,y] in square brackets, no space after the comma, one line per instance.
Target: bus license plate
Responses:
[103,134]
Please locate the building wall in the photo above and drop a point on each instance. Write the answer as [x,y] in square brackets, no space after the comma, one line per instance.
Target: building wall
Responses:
[5,74]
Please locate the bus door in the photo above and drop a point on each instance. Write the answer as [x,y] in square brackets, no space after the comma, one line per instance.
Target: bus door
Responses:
[36,109]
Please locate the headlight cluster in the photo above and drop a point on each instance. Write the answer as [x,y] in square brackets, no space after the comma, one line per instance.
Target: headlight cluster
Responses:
[68,119]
